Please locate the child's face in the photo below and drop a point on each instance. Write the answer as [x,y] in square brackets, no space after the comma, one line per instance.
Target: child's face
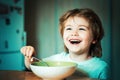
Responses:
[77,35]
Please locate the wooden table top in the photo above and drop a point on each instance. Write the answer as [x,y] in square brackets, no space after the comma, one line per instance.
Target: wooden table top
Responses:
[17,75]
[25,75]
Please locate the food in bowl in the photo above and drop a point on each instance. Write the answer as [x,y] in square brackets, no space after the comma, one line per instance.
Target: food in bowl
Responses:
[55,70]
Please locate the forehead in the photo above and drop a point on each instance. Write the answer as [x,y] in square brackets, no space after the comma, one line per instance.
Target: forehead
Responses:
[76,21]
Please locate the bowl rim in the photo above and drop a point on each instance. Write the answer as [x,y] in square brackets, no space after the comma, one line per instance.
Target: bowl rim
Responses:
[70,64]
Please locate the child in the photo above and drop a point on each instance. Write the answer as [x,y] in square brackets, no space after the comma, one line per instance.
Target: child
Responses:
[82,31]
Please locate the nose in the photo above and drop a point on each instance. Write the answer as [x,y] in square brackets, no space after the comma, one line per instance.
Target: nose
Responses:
[75,33]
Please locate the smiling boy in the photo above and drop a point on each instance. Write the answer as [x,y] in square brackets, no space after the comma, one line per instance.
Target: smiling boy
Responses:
[82,32]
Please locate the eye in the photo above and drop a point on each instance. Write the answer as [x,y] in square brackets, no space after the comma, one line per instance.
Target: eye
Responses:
[82,29]
[68,28]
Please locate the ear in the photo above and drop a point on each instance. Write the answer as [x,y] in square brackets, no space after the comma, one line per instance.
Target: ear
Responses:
[94,41]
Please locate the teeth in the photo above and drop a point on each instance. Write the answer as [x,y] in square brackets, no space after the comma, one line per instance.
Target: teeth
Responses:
[75,41]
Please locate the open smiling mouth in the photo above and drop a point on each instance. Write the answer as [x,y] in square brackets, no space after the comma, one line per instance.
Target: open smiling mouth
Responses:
[74,41]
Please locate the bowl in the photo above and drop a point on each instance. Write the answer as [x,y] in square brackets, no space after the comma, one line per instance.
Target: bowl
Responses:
[55,70]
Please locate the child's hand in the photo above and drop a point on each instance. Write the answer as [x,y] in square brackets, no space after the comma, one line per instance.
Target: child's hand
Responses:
[28,51]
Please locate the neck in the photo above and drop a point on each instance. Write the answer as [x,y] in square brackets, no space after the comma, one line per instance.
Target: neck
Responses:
[80,57]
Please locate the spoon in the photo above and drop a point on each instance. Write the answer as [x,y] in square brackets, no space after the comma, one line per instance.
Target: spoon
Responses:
[34,59]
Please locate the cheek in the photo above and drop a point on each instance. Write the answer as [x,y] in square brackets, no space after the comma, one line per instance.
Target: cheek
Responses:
[65,37]
[87,38]
[65,34]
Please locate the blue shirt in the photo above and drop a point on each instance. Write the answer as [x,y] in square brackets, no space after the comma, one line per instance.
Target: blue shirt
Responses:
[93,68]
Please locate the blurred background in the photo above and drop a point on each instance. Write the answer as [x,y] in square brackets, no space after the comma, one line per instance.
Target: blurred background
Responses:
[36,23]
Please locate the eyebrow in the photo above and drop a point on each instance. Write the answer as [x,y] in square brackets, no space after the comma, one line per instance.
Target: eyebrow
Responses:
[78,26]
[83,25]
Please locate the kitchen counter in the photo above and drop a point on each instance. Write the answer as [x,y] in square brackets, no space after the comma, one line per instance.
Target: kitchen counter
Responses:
[26,75]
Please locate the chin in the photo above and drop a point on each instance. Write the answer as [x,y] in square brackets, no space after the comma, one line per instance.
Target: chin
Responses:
[75,51]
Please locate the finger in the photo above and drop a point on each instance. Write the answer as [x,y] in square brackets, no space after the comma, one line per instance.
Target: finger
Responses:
[29,51]
[23,50]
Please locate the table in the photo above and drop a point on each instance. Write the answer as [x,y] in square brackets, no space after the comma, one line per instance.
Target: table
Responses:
[25,75]
[17,75]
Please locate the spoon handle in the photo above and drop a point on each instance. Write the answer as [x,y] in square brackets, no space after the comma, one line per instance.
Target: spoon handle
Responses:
[34,59]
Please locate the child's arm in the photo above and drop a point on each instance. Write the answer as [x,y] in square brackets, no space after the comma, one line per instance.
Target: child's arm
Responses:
[27,51]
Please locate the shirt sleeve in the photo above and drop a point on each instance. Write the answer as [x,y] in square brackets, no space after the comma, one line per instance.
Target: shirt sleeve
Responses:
[105,74]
